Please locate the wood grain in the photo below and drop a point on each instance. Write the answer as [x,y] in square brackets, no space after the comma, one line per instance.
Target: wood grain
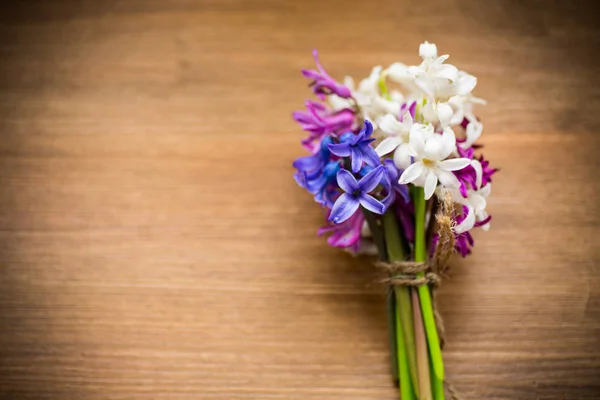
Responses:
[154,246]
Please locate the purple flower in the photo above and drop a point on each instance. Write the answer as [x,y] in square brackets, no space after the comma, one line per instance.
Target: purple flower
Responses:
[322,83]
[406,216]
[346,234]
[319,120]
[357,194]
[468,176]
[316,173]
[392,176]
[358,148]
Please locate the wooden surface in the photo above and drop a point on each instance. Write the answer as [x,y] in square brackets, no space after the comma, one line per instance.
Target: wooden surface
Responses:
[153,244]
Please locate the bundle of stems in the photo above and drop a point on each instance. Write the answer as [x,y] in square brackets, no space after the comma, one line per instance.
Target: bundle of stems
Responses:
[417,362]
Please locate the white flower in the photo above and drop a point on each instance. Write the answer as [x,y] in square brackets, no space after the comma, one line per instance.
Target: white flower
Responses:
[463,108]
[372,105]
[399,73]
[428,50]
[476,202]
[430,151]
[397,140]
[440,83]
[432,72]
[438,111]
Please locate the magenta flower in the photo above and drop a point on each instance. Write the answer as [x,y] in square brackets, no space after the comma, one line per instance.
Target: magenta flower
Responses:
[358,148]
[357,194]
[346,234]
[468,175]
[322,83]
[319,120]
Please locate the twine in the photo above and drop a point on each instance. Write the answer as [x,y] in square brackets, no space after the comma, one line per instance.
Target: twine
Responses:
[406,273]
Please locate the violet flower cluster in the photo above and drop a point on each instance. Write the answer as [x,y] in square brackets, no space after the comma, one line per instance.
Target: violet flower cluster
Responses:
[369,145]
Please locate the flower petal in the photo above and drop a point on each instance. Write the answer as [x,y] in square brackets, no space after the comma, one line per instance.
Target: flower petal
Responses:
[454,164]
[346,181]
[430,184]
[343,208]
[390,125]
[447,71]
[388,106]
[370,156]
[371,203]
[402,158]
[340,149]
[356,159]
[444,112]
[387,145]
[448,179]
[478,172]
[486,190]
[466,83]
[448,142]
[473,132]
[372,179]
[417,138]
[467,224]
[411,173]
[434,149]
[478,202]
[398,72]
[344,238]
[428,50]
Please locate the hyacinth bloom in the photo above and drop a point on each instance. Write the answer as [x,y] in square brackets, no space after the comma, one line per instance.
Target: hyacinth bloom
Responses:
[477,174]
[431,164]
[319,120]
[357,194]
[317,173]
[395,188]
[346,234]
[322,83]
[475,204]
[358,148]
[397,140]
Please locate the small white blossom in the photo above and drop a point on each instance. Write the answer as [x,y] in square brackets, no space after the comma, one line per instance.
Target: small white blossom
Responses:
[372,105]
[441,83]
[397,140]
[476,203]
[431,165]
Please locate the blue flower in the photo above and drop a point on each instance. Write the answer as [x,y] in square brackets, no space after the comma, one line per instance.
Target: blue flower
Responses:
[357,194]
[357,147]
[392,185]
[316,173]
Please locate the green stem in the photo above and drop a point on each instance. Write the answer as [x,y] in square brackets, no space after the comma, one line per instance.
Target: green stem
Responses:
[377,233]
[406,387]
[391,317]
[395,252]
[424,295]
[421,345]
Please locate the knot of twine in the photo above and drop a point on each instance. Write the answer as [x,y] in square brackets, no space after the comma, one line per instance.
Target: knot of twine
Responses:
[414,274]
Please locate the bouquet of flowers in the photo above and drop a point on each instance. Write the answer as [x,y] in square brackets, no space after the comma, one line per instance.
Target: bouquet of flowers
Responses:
[392,162]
